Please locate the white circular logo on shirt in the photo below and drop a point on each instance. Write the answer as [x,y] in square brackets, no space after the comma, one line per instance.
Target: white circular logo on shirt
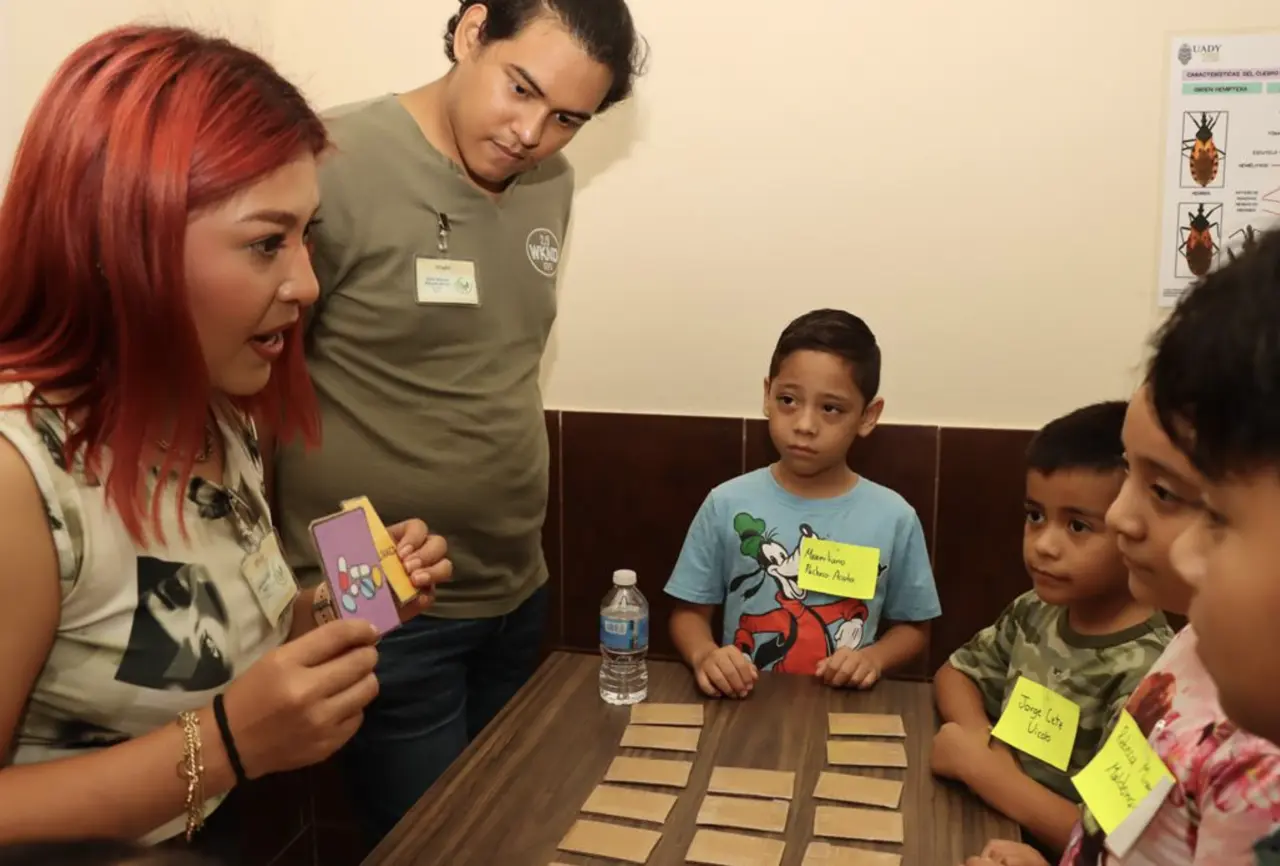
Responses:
[543,248]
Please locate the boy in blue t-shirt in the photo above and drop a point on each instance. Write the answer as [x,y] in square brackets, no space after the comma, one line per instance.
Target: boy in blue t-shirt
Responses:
[743,549]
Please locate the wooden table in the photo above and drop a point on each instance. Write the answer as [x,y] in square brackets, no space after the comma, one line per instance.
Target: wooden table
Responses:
[515,792]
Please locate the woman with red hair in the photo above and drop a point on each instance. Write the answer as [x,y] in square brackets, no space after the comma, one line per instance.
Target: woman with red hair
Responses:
[153,245]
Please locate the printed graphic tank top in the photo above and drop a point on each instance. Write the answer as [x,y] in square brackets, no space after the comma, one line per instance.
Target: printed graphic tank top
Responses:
[146,631]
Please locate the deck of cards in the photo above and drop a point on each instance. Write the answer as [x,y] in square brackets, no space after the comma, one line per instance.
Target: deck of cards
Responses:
[360,564]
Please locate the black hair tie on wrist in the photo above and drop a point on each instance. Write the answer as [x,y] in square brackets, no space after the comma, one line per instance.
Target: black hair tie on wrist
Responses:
[220,715]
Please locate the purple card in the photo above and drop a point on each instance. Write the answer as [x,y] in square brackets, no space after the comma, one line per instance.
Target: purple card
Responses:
[354,569]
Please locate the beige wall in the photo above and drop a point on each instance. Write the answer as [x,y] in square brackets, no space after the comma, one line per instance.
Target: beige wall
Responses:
[979,179]
[37,35]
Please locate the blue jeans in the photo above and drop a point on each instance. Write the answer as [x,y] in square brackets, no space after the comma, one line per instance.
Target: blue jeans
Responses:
[440,682]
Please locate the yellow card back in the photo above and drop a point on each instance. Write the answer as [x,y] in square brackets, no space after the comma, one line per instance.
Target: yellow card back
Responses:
[391,565]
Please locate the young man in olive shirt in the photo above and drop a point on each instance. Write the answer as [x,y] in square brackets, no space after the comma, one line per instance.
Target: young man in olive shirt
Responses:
[444,212]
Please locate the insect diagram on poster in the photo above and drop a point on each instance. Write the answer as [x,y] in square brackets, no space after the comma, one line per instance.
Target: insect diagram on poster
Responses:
[1222,153]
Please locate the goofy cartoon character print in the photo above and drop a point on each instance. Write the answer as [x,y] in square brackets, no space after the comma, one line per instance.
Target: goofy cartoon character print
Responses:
[801,634]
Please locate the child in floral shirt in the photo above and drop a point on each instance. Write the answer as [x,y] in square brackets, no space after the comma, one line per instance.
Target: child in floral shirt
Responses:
[1198,515]
[1218,373]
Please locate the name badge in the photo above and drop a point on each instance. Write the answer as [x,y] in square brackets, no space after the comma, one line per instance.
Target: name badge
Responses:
[1124,785]
[446,281]
[843,570]
[1040,723]
[270,578]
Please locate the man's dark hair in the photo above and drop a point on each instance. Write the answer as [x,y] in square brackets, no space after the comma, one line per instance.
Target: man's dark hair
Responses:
[97,852]
[1215,374]
[835,332]
[1088,438]
[603,27]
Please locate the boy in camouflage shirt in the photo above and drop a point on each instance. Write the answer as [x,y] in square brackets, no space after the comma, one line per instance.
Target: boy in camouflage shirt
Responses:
[1079,632]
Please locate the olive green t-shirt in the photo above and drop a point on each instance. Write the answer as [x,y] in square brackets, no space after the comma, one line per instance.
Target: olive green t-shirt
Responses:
[431,410]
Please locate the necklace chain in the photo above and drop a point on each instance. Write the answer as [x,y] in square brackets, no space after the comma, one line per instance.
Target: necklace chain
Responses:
[206,445]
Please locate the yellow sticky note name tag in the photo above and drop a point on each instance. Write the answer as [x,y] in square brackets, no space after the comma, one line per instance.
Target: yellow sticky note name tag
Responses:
[392,567]
[1124,773]
[846,570]
[1039,722]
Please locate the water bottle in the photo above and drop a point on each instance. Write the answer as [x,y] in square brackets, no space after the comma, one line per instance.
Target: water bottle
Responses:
[624,642]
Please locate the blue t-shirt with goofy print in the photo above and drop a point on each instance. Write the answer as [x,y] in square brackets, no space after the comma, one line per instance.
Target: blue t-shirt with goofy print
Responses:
[743,551]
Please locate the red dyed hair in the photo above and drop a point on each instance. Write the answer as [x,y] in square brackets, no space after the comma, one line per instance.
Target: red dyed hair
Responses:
[138,129]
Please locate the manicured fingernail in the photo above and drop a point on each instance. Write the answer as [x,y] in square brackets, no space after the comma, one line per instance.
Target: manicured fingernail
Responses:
[405,550]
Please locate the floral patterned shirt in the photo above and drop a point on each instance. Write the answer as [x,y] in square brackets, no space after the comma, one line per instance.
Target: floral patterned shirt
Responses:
[146,631]
[1226,794]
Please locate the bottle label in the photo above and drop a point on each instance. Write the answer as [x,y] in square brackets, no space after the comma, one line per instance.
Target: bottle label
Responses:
[624,635]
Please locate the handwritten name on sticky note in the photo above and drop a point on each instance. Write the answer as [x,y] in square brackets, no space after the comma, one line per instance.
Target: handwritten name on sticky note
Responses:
[846,570]
[1039,722]
[1122,775]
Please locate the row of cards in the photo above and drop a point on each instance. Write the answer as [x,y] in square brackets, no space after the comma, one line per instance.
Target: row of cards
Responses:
[740,798]
[663,727]
[885,750]
[838,787]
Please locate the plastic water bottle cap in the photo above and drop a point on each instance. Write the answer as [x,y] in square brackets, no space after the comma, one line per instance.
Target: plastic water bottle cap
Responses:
[624,577]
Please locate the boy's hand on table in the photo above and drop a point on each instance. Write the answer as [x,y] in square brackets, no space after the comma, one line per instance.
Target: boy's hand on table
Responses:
[849,668]
[1000,852]
[957,750]
[726,672]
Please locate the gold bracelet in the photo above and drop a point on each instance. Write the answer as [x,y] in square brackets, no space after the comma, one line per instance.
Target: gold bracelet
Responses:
[191,770]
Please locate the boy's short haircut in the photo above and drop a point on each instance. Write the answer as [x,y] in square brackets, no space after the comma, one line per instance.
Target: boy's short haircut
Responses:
[839,333]
[1088,438]
[1215,374]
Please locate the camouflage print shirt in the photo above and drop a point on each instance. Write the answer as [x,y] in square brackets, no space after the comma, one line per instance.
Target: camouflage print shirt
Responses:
[1267,851]
[1034,639]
